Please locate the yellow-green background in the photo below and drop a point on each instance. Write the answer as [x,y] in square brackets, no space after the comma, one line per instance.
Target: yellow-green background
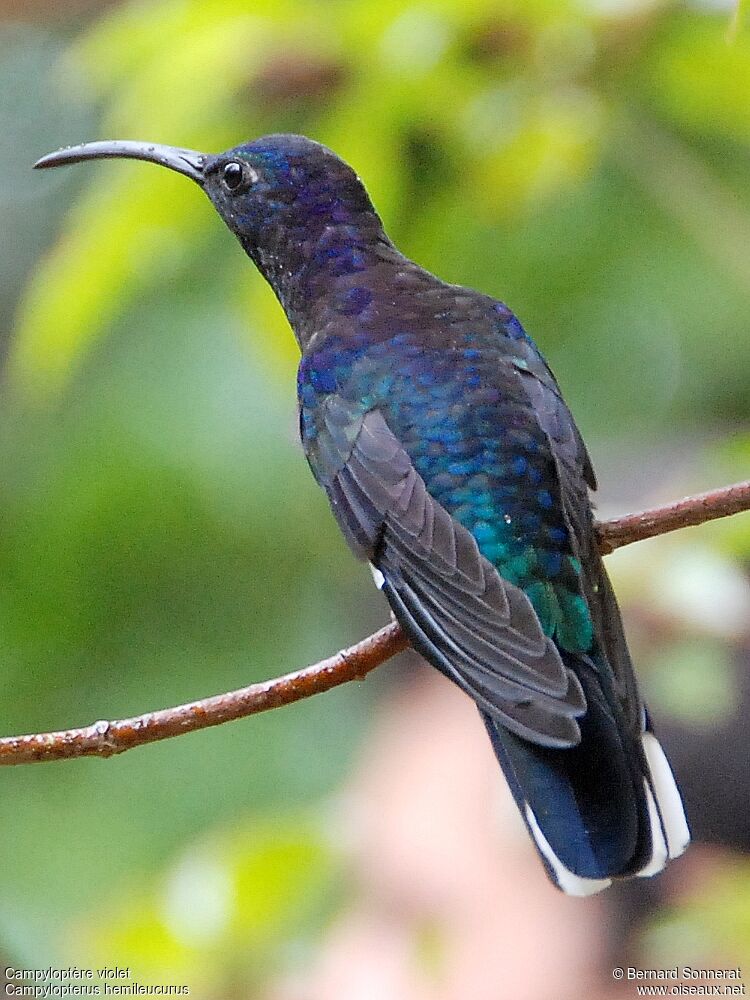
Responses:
[160,535]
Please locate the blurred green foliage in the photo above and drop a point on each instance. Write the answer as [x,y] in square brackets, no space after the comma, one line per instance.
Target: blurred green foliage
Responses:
[588,164]
[224,913]
[712,928]
[584,160]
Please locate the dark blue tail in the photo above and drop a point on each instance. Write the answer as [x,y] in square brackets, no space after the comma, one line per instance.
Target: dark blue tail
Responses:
[588,808]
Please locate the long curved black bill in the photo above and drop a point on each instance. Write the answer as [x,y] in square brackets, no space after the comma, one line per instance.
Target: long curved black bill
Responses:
[184,161]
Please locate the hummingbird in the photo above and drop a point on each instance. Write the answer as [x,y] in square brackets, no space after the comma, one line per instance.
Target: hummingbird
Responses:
[453,466]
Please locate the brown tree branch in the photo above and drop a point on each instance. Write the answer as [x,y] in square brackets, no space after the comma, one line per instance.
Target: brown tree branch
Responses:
[682,514]
[103,739]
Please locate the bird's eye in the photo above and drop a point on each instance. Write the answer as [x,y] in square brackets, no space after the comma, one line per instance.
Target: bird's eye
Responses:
[237,176]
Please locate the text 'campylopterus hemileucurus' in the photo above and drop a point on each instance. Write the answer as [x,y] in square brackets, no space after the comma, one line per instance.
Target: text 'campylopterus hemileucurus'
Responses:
[453,465]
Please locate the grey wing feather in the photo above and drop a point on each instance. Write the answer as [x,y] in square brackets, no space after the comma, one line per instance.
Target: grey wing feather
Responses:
[476,627]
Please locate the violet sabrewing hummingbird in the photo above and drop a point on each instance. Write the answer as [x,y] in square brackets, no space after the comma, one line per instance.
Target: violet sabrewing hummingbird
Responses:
[452,464]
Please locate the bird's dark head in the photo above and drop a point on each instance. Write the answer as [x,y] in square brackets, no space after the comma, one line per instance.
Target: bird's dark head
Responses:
[283,182]
[289,200]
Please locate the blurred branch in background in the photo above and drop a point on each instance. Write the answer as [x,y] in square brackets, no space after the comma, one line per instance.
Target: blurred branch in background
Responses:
[105,739]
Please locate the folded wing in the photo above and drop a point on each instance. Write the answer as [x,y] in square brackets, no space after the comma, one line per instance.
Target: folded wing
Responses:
[477,628]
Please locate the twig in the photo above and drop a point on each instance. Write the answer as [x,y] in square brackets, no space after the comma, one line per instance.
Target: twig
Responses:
[681,514]
[104,739]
